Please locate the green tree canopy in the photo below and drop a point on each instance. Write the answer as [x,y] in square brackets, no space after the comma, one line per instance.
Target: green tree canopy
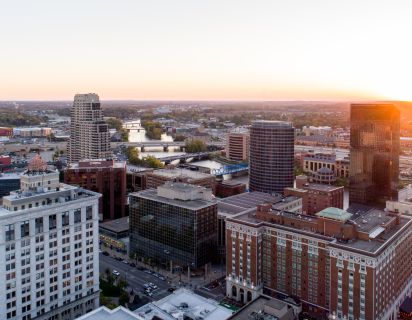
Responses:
[195,145]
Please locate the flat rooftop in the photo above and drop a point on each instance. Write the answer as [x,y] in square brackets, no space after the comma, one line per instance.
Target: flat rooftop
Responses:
[53,197]
[257,305]
[183,303]
[151,194]
[179,172]
[103,313]
[241,202]
[320,187]
[9,176]
[368,221]
[117,225]
[288,199]
[97,163]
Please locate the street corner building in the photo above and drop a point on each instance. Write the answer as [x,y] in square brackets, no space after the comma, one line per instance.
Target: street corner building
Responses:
[175,223]
[49,248]
[353,264]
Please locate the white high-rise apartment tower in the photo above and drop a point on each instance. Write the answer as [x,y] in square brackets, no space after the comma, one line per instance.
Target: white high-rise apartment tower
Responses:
[49,258]
[89,133]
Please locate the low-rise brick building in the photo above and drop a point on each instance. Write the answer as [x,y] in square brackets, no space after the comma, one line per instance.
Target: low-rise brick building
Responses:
[316,197]
[107,177]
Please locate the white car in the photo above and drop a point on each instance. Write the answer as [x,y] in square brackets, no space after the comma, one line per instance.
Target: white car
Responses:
[116,273]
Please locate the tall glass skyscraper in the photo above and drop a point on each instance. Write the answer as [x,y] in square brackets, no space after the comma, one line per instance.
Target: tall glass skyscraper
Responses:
[271,156]
[374,153]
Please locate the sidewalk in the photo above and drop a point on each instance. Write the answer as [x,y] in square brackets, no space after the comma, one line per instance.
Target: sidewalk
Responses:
[175,279]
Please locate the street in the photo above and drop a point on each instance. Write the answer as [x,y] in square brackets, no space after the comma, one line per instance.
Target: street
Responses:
[135,278]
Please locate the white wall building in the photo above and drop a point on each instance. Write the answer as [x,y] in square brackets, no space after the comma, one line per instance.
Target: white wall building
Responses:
[48,248]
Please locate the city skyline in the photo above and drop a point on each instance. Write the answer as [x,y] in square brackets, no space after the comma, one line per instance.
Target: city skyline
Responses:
[321,50]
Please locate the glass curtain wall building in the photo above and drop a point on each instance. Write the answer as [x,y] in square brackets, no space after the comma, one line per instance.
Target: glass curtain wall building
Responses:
[165,230]
[271,156]
[374,153]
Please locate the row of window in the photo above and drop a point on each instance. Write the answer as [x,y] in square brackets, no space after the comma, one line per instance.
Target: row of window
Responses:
[39,223]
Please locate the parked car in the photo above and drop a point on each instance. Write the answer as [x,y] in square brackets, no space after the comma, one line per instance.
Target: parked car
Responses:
[132,264]
[105,253]
[116,273]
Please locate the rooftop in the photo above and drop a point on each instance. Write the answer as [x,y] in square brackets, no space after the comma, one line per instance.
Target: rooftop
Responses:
[104,313]
[178,172]
[117,225]
[278,310]
[245,201]
[43,197]
[97,163]
[320,187]
[271,124]
[197,204]
[375,228]
[10,175]
[334,214]
[184,303]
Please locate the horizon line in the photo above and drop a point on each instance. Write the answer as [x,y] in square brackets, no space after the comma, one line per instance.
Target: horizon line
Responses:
[211,100]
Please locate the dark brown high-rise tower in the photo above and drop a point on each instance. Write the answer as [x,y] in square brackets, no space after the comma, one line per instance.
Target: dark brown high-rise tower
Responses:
[374,153]
[271,156]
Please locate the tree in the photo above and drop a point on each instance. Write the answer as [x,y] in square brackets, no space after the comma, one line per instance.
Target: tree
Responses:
[153,129]
[148,161]
[114,123]
[152,162]
[195,145]
[132,155]
[179,137]
[124,298]
[122,284]
[107,302]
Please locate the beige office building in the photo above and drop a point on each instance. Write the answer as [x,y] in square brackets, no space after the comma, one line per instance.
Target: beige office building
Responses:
[89,133]
[238,145]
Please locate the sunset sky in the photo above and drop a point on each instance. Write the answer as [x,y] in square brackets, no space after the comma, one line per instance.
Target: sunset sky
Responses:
[206,49]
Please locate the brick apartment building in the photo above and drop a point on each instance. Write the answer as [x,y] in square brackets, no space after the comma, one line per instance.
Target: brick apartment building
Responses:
[316,197]
[338,263]
[107,177]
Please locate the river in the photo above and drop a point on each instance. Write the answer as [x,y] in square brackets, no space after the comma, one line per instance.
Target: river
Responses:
[140,136]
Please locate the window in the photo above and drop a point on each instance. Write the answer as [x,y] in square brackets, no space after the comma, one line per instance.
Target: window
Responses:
[39,225]
[25,229]
[52,222]
[65,219]
[77,216]
[89,213]
[9,232]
